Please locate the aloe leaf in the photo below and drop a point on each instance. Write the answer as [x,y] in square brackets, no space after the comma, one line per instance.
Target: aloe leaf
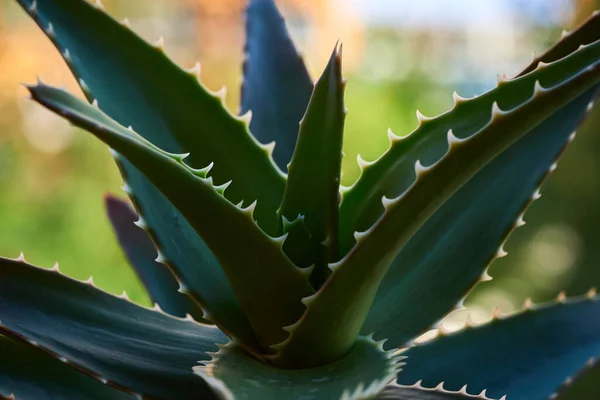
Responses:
[459,242]
[256,266]
[469,238]
[394,391]
[582,385]
[143,351]
[27,373]
[545,344]
[323,333]
[277,101]
[312,189]
[161,285]
[586,33]
[136,84]
[359,375]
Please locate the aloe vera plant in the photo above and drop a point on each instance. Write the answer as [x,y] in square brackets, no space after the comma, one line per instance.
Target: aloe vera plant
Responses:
[270,279]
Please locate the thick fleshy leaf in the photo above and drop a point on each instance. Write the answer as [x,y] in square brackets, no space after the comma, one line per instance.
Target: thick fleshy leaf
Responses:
[276,85]
[136,84]
[28,373]
[583,385]
[161,285]
[266,282]
[417,392]
[457,244]
[312,189]
[147,352]
[324,333]
[469,237]
[525,356]
[359,375]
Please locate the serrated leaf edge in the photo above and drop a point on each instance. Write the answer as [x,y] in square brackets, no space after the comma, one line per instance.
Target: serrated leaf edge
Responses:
[90,282]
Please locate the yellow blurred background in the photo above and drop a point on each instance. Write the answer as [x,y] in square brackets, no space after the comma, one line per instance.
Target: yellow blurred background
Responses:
[399,55]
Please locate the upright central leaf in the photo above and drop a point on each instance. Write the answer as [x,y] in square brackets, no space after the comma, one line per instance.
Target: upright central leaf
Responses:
[314,172]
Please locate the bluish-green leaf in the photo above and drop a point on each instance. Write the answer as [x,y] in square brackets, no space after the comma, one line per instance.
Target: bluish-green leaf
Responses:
[526,356]
[312,189]
[161,285]
[28,373]
[144,351]
[451,251]
[276,85]
[332,318]
[584,384]
[468,238]
[267,283]
[359,375]
[136,84]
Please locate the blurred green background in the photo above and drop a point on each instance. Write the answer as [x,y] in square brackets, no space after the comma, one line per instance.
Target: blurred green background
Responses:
[399,55]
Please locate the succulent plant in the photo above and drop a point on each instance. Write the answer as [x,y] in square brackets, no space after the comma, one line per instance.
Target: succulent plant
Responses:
[270,279]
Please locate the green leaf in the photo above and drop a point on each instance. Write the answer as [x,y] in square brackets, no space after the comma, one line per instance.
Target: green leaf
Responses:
[584,384]
[525,356]
[471,237]
[586,33]
[417,392]
[161,285]
[458,242]
[393,172]
[359,375]
[136,84]
[28,373]
[254,262]
[146,352]
[324,333]
[312,189]
[276,100]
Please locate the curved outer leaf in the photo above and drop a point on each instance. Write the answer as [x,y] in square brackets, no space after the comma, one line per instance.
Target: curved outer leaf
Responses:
[161,285]
[525,356]
[461,239]
[584,384]
[359,375]
[136,84]
[324,333]
[417,392]
[28,373]
[267,283]
[312,189]
[112,339]
[277,86]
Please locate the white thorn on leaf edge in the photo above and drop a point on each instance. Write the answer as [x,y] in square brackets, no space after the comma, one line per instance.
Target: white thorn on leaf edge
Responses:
[420,169]
[98,4]
[33,7]
[125,22]
[21,258]
[67,56]
[458,98]
[160,43]
[50,30]
[422,118]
